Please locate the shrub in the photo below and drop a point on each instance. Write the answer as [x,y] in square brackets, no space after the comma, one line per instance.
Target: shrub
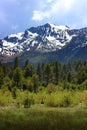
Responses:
[66,101]
[28,102]
[51,88]
[59,99]
[14,93]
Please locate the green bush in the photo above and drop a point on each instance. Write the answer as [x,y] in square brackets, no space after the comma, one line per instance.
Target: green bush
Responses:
[28,102]
[66,101]
[51,88]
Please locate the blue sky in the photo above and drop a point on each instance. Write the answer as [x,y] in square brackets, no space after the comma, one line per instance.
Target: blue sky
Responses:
[18,15]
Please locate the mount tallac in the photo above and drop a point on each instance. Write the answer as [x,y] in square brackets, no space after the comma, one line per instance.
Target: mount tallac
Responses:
[45,43]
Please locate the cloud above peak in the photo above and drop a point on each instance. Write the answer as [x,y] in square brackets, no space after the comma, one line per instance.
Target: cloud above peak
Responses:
[52,8]
[40,15]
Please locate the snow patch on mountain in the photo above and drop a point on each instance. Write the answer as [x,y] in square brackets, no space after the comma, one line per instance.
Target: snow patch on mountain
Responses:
[33,35]
[61,27]
[8,44]
[45,38]
[18,35]
[50,38]
[0,49]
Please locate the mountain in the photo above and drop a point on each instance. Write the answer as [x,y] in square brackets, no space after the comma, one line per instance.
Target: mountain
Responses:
[46,43]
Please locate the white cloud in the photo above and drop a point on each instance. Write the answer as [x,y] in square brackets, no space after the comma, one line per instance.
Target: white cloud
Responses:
[39,15]
[68,5]
[61,6]
[58,7]
[49,1]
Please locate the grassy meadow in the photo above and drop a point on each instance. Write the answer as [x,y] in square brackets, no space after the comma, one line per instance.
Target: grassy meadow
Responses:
[43,118]
[59,110]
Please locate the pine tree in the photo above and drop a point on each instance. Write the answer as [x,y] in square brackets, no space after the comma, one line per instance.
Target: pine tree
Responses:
[26,63]
[78,65]
[39,72]
[47,73]
[56,71]
[15,65]
[1,77]
[17,77]
[29,71]
[43,73]
[6,69]
[81,75]
[35,81]
[69,76]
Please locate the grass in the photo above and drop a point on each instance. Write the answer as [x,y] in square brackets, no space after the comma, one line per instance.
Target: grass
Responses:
[60,110]
[43,118]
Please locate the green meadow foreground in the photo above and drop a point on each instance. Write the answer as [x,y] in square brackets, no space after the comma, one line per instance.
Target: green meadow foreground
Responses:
[61,110]
[43,118]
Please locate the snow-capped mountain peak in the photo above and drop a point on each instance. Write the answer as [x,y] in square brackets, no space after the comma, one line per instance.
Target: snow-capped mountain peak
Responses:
[45,38]
[60,27]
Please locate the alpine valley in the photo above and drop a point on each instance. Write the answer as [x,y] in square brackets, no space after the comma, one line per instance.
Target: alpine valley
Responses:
[45,43]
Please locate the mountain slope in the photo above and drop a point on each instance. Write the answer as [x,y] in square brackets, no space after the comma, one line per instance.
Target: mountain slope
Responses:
[45,38]
[46,43]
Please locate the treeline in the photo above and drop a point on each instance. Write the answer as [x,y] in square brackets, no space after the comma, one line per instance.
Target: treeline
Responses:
[67,75]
